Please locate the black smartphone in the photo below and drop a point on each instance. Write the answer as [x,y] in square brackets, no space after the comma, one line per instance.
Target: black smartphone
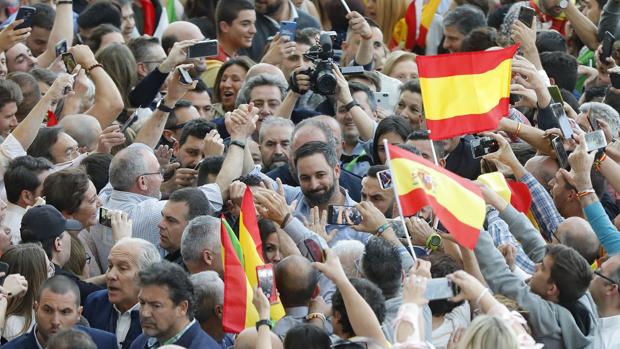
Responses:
[130,121]
[615,80]
[4,268]
[61,47]
[267,282]
[69,61]
[354,69]
[483,146]
[105,218]
[440,288]
[207,48]
[343,215]
[526,15]
[315,251]
[184,77]
[25,13]
[608,43]
[564,123]
[560,152]
[514,98]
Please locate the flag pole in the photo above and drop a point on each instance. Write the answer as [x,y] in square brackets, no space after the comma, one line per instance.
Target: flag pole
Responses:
[388,160]
[435,220]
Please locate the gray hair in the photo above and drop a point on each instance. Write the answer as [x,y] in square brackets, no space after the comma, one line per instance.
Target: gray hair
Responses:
[322,126]
[85,129]
[273,121]
[260,80]
[148,253]
[127,165]
[603,111]
[200,233]
[350,253]
[465,18]
[209,291]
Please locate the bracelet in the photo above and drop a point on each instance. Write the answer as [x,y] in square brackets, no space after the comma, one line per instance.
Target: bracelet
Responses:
[516,134]
[260,323]
[64,2]
[597,162]
[367,37]
[382,229]
[93,67]
[584,193]
[286,218]
[238,143]
[485,291]
[316,316]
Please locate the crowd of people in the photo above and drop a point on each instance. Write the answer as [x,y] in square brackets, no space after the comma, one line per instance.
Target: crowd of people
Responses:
[121,154]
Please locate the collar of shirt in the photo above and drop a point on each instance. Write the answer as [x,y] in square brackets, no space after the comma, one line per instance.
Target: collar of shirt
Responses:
[10,207]
[126,196]
[297,312]
[36,339]
[294,15]
[135,307]
[152,342]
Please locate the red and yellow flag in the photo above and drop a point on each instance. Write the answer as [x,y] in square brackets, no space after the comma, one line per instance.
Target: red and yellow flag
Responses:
[466,92]
[456,201]
[411,31]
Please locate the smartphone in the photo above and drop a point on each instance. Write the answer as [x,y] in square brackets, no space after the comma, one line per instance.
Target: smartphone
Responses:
[514,98]
[556,94]
[526,15]
[105,218]
[483,146]
[130,121]
[61,47]
[560,153]
[69,61]
[440,288]
[315,251]
[267,282]
[4,268]
[25,13]
[288,29]
[346,7]
[563,122]
[608,43]
[354,69]
[343,215]
[385,179]
[207,48]
[184,76]
[383,100]
[595,140]
[615,80]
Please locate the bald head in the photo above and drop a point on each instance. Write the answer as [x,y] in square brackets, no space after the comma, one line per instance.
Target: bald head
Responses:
[247,339]
[84,128]
[543,168]
[296,281]
[183,30]
[577,233]
[264,68]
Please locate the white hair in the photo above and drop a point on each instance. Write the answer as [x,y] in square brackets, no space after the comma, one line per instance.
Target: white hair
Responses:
[147,254]
[350,253]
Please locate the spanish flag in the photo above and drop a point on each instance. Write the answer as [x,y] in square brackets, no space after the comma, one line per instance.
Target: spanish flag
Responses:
[516,193]
[465,92]
[456,201]
[411,31]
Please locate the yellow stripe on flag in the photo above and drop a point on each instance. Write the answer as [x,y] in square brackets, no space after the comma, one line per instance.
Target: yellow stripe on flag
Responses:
[457,98]
[497,182]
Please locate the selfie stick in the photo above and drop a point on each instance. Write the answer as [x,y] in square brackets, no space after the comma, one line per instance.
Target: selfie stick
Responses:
[400,209]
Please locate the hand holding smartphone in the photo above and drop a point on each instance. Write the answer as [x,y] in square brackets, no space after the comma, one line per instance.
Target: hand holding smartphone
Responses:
[25,13]
[69,61]
[105,217]
[343,215]
[440,288]
[206,48]
[526,15]
[267,282]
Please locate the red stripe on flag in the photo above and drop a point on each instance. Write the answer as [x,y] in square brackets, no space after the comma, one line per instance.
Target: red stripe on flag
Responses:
[421,41]
[466,124]
[235,288]
[249,220]
[462,63]
[410,20]
[521,197]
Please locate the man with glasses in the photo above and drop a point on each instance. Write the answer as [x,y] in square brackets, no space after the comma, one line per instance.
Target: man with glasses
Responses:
[148,54]
[605,290]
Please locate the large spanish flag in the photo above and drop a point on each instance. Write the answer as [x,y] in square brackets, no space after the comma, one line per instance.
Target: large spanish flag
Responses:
[466,92]
[456,201]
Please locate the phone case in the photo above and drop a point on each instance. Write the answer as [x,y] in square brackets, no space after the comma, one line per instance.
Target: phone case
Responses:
[267,281]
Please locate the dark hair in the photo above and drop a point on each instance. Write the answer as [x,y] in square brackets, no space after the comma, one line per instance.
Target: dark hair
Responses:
[337,13]
[60,284]
[307,36]
[209,165]
[227,11]
[200,8]
[479,39]
[412,86]
[30,92]
[395,124]
[10,92]
[410,148]
[65,189]
[442,265]
[171,122]
[173,277]
[206,26]
[46,137]
[70,339]
[44,17]
[550,41]
[196,128]
[311,148]
[594,93]
[371,294]
[465,18]
[97,167]
[22,174]
[562,67]
[306,336]
[242,61]
[201,86]
[496,18]
[94,40]
[382,265]
[373,170]
[266,227]
[99,12]
[196,201]
[570,272]
[355,86]
[140,47]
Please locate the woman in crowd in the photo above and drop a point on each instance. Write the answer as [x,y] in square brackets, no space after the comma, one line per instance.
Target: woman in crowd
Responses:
[228,82]
[401,65]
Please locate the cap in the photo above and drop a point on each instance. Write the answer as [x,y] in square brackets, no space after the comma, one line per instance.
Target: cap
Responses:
[46,222]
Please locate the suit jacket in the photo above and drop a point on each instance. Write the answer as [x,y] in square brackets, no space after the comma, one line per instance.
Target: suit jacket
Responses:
[101,315]
[194,338]
[102,339]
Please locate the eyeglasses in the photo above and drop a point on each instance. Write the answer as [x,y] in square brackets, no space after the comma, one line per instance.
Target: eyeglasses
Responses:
[160,172]
[178,127]
[599,274]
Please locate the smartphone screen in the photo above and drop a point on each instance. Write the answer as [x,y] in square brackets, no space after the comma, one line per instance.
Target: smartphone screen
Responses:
[343,215]
[526,15]
[556,94]
[105,218]
[207,48]
[184,77]
[564,123]
[385,179]
[25,13]
[440,288]
[315,251]
[560,152]
[69,61]
[266,281]
[595,140]
[61,47]
[288,29]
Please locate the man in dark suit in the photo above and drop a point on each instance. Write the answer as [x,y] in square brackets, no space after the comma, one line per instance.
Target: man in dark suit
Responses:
[116,310]
[167,310]
[57,308]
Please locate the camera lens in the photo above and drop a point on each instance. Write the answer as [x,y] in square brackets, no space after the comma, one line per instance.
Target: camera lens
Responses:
[326,82]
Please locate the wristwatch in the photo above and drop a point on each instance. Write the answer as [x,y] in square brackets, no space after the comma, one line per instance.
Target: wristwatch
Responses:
[433,242]
[260,323]
[161,106]
[238,143]
[350,105]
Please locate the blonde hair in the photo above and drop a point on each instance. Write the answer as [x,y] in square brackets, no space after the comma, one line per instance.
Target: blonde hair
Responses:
[488,332]
[396,57]
[389,12]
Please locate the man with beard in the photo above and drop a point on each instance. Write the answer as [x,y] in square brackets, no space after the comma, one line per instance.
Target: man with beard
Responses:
[274,140]
[269,13]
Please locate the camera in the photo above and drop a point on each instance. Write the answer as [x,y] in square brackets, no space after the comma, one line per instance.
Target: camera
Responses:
[322,78]
[483,146]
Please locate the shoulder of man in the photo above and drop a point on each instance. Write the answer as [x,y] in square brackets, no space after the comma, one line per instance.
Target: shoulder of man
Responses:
[25,341]
[305,20]
[101,338]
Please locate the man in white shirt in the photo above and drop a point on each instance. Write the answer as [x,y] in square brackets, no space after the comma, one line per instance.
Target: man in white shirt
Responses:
[605,290]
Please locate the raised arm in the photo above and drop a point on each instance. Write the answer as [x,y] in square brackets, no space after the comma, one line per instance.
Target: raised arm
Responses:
[363,122]
[583,26]
[359,25]
[62,29]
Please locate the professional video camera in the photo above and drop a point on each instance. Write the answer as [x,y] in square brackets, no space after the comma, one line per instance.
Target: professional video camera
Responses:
[322,78]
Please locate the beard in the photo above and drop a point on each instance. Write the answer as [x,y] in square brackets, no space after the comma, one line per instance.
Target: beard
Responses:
[277,161]
[316,198]
[270,9]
